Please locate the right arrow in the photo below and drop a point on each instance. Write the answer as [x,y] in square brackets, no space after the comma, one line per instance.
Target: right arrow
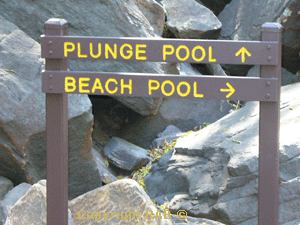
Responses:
[231,90]
[243,51]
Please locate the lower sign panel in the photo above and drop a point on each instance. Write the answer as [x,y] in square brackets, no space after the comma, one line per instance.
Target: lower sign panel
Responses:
[160,85]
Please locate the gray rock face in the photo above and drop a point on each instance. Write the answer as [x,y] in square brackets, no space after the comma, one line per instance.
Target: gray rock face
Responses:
[107,175]
[5,186]
[125,198]
[233,139]
[11,198]
[125,155]
[154,13]
[31,208]
[189,19]
[109,18]
[22,117]
[286,76]
[190,180]
[251,15]
[169,134]
[185,114]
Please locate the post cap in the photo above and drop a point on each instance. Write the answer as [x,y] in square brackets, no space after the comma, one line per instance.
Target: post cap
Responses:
[56,23]
[271,27]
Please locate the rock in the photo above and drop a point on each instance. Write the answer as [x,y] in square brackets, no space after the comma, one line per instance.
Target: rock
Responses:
[229,192]
[124,197]
[11,198]
[107,175]
[189,19]
[111,18]
[125,155]
[286,76]
[216,6]
[169,134]
[216,69]
[190,177]
[187,69]
[246,26]
[185,114]
[170,130]
[5,186]
[290,20]
[33,208]
[172,68]
[22,118]
[154,13]
[289,202]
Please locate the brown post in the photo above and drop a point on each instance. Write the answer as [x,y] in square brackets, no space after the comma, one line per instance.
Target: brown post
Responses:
[57,137]
[268,193]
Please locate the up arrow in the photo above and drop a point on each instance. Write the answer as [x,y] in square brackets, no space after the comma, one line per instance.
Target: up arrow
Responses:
[231,90]
[243,51]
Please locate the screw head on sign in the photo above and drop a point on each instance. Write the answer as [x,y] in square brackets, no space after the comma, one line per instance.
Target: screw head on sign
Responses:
[50,53]
[50,88]
[50,76]
[49,42]
[268,84]
[269,47]
[268,96]
[269,58]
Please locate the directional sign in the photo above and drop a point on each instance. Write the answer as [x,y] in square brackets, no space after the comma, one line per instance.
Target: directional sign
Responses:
[243,51]
[153,85]
[160,50]
[231,90]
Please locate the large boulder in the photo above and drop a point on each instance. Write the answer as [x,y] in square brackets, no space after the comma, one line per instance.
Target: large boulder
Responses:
[286,76]
[31,208]
[121,202]
[224,186]
[189,19]
[22,118]
[251,15]
[109,18]
[11,198]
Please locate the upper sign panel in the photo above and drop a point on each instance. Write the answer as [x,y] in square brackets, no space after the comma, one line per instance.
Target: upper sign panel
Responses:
[160,50]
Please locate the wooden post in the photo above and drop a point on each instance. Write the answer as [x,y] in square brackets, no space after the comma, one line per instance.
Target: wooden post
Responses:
[57,137]
[269,124]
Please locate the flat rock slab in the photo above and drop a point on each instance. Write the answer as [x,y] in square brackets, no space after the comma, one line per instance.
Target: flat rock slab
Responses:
[189,19]
[125,155]
[234,139]
[125,198]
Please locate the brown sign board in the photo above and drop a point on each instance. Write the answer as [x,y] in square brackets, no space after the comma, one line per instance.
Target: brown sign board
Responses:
[57,82]
[160,50]
[154,85]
